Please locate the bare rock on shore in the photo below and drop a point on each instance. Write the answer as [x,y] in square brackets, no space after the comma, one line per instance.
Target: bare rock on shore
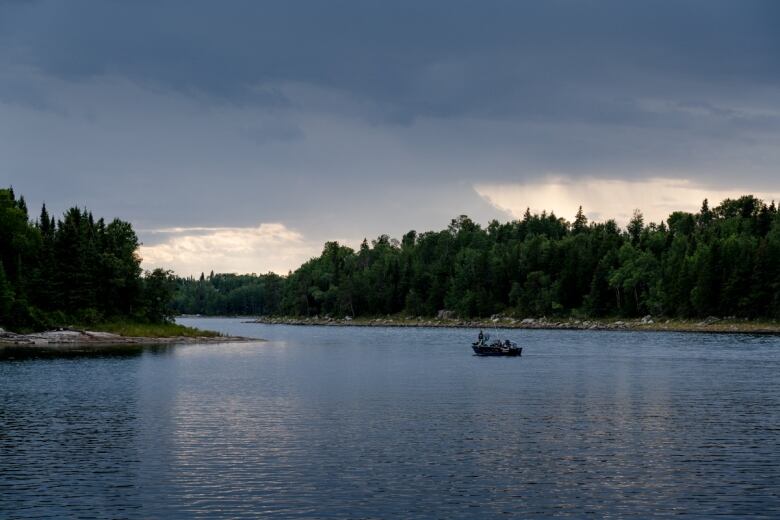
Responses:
[445,315]
[709,320]
[87,337]
[643,324]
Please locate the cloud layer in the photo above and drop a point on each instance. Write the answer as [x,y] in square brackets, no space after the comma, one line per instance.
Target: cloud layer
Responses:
[240,250]
[355,118]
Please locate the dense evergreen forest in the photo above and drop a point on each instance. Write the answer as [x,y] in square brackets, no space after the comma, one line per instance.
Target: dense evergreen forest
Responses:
[722,261]
[73,271]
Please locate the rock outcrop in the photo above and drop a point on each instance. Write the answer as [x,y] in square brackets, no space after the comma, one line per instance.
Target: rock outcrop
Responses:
[86,337]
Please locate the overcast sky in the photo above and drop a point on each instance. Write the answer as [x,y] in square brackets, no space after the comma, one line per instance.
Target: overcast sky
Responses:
[240,135]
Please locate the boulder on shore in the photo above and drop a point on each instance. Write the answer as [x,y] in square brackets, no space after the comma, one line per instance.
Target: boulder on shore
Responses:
[709,320]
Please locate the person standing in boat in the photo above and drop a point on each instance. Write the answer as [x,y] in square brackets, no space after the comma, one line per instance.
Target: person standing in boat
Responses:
[480,337]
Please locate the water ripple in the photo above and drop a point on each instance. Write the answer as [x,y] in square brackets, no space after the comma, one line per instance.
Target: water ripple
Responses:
[385,423]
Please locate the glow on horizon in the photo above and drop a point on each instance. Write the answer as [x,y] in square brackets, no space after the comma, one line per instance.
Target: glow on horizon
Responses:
[604,199]
[268,247]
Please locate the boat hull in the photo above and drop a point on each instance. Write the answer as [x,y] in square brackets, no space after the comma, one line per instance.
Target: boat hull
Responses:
[497,351]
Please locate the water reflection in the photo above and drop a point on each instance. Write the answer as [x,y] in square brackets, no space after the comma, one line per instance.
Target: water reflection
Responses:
[348,423]
[23,352]
[69,429]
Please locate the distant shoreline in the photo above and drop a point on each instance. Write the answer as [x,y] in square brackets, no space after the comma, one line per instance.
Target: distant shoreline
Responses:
[647,324]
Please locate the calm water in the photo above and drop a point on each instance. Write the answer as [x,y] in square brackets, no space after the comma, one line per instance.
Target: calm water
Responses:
[394,423]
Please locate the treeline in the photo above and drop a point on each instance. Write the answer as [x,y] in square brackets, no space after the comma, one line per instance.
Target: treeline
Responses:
[76,270]
[230,294]
[721,261]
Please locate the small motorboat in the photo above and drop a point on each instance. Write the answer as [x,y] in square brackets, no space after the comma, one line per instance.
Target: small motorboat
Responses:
[481,347]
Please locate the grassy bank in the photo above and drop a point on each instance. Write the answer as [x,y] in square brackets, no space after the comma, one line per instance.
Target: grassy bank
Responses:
[151,330]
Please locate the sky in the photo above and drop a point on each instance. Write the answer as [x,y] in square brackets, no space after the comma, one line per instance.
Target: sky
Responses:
[240,136]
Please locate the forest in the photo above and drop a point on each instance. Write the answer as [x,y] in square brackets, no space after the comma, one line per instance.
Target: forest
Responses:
[722,261]
[74,271]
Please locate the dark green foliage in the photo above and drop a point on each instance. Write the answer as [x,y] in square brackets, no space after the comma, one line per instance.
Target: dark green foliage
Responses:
[158,288]
[229,294]
[6,294]
[723,261]
[72,271]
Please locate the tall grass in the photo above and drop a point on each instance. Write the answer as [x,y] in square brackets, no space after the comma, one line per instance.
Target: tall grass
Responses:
[151,330]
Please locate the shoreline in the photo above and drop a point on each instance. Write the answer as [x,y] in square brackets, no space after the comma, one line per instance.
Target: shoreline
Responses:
[710,325]
[87,337]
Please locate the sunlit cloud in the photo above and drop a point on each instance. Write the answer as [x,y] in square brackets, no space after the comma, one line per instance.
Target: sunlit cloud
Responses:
[193,250]
[603,199]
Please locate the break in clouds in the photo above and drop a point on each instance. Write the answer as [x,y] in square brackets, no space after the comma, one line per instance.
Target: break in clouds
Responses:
[275,126]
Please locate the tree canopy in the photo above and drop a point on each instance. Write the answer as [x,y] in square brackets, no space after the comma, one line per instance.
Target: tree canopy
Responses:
[723,261]
[74,270]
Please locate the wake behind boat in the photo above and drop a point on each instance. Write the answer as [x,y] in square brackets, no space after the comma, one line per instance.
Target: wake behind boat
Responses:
[484,347]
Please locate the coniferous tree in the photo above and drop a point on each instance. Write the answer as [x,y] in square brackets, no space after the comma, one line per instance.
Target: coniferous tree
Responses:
[580,222]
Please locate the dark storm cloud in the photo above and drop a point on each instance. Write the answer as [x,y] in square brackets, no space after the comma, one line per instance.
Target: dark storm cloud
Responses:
[552,59]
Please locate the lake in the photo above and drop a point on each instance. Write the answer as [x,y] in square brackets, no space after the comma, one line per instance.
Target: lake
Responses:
[338,422]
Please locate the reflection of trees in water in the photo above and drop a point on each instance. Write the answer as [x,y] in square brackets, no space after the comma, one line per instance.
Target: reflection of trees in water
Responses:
[23,352]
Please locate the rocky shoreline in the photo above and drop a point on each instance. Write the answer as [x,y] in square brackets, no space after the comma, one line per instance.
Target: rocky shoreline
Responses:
[86,337]
[648,323]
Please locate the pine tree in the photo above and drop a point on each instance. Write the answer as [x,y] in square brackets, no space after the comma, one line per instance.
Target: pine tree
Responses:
[580,222]
[635,226]
[44,222]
